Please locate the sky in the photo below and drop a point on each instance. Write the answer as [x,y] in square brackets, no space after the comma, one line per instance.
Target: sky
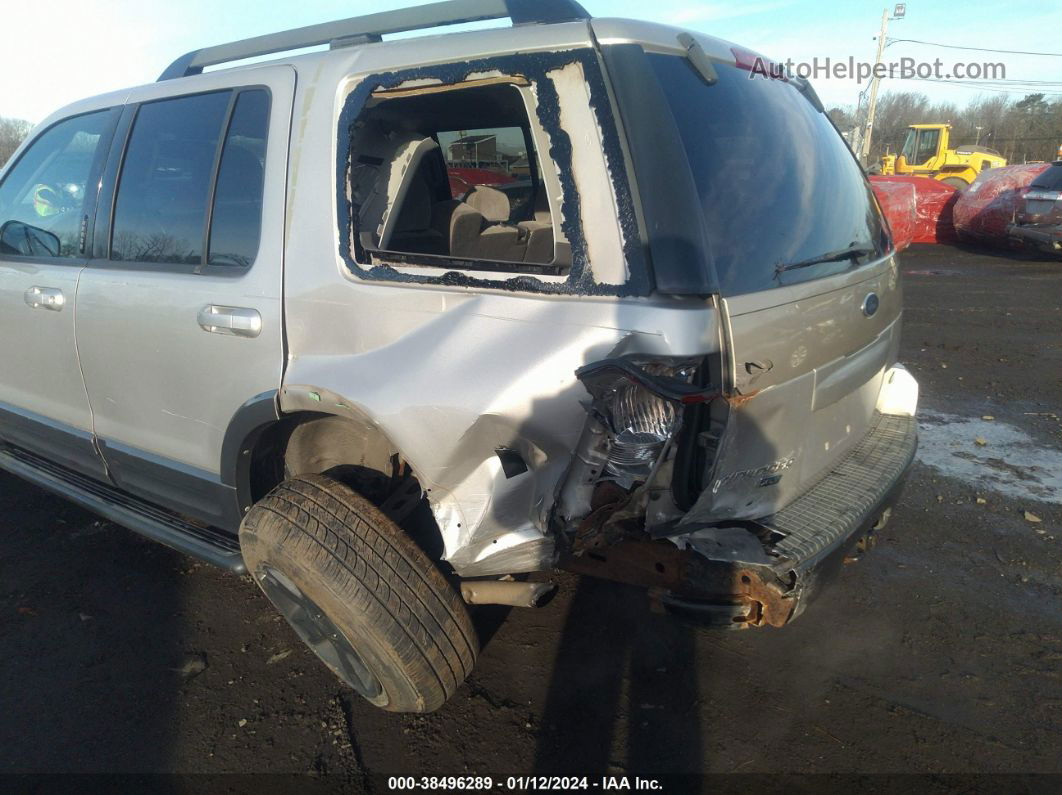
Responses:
[57,51]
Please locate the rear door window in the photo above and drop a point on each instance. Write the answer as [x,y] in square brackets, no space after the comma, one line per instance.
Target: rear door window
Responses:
[163,192]
[190,162]
[777,184]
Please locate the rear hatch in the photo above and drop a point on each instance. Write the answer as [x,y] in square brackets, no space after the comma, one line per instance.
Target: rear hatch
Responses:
[800,255]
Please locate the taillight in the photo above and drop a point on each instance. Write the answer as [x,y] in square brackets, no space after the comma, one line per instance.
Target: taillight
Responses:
[638,400]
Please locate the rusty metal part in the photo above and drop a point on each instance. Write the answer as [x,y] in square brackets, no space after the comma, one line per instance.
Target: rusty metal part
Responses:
[737,401]
[506,592]
[606,500]
[772,606]
[665,569]
[647,564]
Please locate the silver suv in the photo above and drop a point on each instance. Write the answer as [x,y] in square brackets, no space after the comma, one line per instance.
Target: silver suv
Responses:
[392,325]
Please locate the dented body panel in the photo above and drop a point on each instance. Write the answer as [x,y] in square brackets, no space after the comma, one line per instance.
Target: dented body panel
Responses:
[481,372]
[811,364]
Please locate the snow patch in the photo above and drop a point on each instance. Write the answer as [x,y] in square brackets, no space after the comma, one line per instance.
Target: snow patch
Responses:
[991,455]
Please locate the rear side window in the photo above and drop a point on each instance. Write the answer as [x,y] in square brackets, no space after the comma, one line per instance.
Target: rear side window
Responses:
[776,183]
[452,174]
[189,161]
[44,195]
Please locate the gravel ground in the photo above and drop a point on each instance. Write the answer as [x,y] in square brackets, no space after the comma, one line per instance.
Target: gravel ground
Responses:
[939,652]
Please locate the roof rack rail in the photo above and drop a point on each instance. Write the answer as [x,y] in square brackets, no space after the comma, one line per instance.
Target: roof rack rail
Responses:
[369,28]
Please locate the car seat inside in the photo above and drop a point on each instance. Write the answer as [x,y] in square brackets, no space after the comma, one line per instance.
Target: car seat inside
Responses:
[408,152]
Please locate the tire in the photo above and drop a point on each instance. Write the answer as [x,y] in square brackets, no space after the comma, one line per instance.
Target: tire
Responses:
[360,593]
[956,182]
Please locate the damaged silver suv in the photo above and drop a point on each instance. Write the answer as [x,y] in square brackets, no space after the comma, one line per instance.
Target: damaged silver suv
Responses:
[391,325]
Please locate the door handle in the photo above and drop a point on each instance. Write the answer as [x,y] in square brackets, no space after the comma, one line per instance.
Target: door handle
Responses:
[237,321]
[45,298]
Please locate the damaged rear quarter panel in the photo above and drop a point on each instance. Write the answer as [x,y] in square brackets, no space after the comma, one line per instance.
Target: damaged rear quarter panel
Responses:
[451,378]
[449,367]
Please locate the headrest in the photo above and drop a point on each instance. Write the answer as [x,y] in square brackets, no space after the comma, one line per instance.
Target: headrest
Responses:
[491,203]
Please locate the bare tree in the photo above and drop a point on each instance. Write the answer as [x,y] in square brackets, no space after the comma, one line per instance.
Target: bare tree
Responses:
[1021,130]
[12,133]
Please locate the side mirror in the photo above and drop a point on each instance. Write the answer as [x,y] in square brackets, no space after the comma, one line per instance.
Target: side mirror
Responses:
[28,241]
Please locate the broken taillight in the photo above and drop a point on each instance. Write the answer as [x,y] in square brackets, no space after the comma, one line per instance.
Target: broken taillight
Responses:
[638,402]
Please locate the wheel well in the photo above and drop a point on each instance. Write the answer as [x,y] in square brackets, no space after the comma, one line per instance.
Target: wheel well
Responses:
[307,443]
[354,452]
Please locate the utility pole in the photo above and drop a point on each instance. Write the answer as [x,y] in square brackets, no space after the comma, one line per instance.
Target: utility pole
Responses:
[899,11]
[873,102]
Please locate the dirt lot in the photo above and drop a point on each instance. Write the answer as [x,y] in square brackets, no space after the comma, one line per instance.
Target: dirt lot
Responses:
[939,652]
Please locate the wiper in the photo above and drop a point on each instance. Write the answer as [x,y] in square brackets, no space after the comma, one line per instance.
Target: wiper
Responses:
[853,253]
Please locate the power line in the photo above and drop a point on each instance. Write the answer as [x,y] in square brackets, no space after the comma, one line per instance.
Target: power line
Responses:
[1000,89]
[1016,85]
[978,49]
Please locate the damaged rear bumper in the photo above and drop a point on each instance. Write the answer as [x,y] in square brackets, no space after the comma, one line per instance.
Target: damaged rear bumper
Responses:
[805,543]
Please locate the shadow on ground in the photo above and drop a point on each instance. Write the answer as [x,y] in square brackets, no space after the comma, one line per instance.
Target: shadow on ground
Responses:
[623,679]
[90,668]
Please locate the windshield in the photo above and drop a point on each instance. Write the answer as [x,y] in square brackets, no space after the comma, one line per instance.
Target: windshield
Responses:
[776,182]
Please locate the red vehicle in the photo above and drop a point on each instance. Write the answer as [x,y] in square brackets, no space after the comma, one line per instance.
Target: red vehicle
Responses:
[464,179]
[1038,220]
[934,203]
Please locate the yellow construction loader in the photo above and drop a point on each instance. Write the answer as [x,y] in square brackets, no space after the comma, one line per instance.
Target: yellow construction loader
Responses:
[925,153]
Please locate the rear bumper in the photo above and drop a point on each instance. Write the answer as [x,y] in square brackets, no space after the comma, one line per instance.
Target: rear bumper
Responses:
[1042,238]
[804,544]
[817,531]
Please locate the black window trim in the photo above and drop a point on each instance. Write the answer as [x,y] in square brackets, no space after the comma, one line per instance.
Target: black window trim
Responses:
[673,232]
[102,228]
[97,173]
[215,167]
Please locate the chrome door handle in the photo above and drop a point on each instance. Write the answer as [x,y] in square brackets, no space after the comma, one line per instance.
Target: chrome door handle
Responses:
[45,298]
[237,321]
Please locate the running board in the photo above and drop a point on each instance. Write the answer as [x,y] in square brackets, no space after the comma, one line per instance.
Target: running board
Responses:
[209,544]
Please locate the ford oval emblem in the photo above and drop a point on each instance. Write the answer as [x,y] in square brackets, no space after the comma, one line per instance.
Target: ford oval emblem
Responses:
[871,304]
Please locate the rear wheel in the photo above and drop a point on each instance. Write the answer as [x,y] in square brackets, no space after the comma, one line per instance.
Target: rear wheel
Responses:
[360,593]
[956,182]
